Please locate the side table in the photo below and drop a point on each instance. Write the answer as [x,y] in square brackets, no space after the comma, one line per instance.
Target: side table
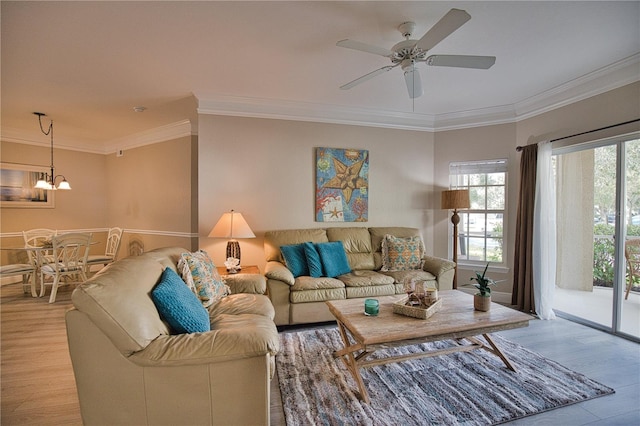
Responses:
[248,280]
[249,269]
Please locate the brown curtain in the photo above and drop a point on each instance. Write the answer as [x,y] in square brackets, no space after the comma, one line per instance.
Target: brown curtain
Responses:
[522,295]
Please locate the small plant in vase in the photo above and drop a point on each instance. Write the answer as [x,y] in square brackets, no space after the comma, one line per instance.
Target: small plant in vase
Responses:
[482,299]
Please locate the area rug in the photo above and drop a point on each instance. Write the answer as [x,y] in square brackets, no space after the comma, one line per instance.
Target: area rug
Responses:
[464,388]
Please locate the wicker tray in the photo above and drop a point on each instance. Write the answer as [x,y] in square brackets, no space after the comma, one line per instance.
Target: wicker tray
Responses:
[415,312]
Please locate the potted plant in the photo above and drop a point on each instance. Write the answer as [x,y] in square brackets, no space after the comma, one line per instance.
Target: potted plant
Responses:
[482,299]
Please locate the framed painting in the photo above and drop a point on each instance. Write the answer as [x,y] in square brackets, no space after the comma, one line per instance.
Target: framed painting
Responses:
[342,185]
[17,183]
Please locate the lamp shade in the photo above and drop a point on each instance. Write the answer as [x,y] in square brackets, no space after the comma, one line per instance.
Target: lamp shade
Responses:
[232,225]
[455,199]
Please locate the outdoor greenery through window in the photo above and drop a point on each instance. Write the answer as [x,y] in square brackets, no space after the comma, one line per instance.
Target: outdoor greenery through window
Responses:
[604,210]
[481,229]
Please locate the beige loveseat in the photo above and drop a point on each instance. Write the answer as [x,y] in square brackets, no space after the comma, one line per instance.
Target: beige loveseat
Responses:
[130,370]
[302,299]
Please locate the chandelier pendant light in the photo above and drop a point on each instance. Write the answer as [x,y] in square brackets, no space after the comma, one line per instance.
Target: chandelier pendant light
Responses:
[48,181]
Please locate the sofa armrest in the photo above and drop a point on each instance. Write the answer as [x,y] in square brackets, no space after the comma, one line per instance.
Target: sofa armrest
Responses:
[233,337]
[443,269]
[277,271]
[246,283]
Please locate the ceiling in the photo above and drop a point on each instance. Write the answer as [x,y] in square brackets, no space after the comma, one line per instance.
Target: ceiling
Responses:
[88,64]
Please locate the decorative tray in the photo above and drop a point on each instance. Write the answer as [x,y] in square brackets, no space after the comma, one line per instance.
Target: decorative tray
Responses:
[401,308]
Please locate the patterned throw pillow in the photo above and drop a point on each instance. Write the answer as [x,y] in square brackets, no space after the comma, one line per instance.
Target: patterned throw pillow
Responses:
[401,254]
[202,277]
[178,306]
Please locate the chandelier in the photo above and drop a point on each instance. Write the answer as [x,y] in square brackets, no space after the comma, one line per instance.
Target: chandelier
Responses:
[48,181]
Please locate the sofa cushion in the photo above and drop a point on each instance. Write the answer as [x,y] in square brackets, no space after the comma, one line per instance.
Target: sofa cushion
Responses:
[365,279]
[236,304]
[333,258]
[295,259]
[357,244]
[399,254]
[273,240]
[313,260]
[370,291]
[311,283]
[118,301]
[200,274]
[400,277]
[178,305]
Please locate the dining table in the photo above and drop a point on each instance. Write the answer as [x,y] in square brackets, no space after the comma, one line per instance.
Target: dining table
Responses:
[39,253]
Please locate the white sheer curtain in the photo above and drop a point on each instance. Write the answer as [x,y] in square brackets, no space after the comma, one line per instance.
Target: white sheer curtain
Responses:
[544,236]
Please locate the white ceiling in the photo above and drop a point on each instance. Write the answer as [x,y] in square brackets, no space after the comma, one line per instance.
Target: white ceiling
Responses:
[87,64]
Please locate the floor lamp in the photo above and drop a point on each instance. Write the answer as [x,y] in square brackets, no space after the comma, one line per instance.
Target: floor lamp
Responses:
[455,199]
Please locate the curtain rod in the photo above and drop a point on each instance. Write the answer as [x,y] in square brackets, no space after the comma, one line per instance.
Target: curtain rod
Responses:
[519,148]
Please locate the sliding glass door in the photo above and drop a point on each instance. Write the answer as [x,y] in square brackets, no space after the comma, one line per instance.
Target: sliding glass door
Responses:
[598,211]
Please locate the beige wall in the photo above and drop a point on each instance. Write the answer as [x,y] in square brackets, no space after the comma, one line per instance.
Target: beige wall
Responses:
[173,192]
[265,169]
[480,143]
[149,192]
[613,107]
[150,195]
[82,207]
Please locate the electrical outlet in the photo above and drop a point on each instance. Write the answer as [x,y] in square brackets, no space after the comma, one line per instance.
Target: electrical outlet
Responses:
[120,153]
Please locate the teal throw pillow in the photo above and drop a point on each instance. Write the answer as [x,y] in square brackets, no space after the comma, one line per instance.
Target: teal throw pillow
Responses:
[295,259]
[333,258]
[178,305]
[313,260]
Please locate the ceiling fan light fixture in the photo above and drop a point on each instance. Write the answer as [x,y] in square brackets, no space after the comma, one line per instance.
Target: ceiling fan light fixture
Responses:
[409,52]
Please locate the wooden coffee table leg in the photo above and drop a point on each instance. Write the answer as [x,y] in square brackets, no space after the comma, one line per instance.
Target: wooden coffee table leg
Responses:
[350,361]
[495,350]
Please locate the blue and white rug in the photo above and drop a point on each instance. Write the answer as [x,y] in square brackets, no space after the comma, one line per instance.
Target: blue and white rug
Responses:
[464,388]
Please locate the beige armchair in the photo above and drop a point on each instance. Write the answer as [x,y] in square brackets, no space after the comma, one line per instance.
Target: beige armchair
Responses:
[131,370]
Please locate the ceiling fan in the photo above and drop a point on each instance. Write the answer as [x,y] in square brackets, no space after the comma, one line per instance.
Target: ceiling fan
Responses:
[409,53]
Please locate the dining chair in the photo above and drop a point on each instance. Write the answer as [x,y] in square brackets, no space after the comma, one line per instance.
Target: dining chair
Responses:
[70,252]
[111,251]
[632,253]
[19,269]
[38,238]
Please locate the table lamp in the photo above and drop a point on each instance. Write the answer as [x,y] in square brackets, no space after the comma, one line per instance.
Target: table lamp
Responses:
[232,225]
[453,200]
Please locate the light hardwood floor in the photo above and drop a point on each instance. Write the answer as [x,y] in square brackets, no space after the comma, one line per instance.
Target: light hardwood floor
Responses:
[38,386]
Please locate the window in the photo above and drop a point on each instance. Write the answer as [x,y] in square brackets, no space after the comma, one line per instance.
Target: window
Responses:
[481,229]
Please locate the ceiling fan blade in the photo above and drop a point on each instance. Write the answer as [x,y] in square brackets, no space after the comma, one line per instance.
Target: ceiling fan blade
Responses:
[368,76]
[461,61]
[414,83]
[364,47]
[450,22]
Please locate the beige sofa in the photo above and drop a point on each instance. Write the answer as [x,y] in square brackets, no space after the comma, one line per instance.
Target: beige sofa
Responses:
[130,370]
[302,299]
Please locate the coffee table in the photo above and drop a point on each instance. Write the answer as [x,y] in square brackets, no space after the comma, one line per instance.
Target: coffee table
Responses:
[457,321]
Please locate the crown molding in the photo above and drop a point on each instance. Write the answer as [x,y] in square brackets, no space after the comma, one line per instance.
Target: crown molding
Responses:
[148,137]
[611,77]
[305,111]
[614,76]
[14,135]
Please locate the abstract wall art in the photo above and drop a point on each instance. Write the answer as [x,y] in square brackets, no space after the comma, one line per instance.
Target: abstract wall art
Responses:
[342,185]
